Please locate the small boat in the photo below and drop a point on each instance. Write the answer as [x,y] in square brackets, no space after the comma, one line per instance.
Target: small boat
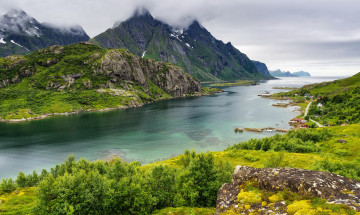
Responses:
[265,93]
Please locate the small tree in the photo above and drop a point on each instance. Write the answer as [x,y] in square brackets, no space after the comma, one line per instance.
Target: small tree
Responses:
[7,185]
[21,180]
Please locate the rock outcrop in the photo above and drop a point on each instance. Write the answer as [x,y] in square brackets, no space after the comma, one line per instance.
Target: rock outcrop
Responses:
[262,68]
[334,188]
[122,65]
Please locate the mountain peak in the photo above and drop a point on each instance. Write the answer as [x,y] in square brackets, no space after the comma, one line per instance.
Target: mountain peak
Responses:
[15,13]
[140,14]
[17,21]
[141,11]
[195,24]
[16,16]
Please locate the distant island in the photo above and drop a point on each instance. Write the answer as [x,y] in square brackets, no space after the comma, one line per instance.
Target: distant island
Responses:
[279,73]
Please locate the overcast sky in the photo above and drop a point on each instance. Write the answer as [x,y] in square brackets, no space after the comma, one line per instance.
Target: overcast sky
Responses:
[318,36]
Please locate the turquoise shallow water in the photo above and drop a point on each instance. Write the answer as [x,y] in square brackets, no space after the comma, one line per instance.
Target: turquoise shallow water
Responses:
[152,132]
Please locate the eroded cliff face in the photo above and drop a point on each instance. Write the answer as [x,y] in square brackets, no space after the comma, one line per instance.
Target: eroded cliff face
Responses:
[285,190]
[121,65]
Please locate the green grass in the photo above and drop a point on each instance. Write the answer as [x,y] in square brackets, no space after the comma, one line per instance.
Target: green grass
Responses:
[330,155]
[18,202]
[340,100]
[38,83]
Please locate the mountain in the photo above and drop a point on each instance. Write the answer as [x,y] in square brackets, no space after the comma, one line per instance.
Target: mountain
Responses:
[262,68]
[279,73]
[302,74]
[194,48]
[85,77]
[22,34]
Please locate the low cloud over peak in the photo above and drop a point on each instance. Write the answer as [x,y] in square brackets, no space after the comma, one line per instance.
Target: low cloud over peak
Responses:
[291,35]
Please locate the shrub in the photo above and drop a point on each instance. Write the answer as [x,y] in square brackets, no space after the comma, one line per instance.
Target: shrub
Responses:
[7,185]
[275,160]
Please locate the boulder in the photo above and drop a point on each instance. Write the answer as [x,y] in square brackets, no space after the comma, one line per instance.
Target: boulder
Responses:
[341,141]
[334,188]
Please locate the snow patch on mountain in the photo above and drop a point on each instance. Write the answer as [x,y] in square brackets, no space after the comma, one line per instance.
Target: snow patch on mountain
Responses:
[188,45]
[12,41]
[2,41]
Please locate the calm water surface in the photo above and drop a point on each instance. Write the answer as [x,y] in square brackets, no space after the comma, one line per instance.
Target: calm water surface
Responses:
[152,132]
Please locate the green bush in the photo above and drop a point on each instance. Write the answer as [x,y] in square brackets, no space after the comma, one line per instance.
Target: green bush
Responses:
[275,160]
[7,185]
[119,187]
[344,168]
[300,141]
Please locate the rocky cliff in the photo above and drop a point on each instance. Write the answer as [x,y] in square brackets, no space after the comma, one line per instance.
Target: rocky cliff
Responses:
[84,77]
[262,68]
[22,34]
[193,49]
[287,190]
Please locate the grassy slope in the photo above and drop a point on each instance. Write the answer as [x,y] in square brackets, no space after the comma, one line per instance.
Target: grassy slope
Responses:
[32,96]
[330,150]
[340,158]
[18,202]
[341,100]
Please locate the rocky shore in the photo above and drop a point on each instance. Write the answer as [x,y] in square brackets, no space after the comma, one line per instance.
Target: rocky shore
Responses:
[259,130]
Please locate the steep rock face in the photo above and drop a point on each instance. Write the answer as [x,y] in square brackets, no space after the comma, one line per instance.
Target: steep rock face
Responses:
[334,188]
[262,68]
[193,49]
[124,66]
[22,34]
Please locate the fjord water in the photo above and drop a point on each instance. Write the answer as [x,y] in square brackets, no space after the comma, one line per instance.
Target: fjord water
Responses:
[152,132]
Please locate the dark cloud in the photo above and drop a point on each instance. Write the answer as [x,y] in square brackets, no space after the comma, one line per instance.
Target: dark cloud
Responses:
[320,36]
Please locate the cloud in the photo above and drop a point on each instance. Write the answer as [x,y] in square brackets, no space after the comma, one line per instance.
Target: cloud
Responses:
[282,33]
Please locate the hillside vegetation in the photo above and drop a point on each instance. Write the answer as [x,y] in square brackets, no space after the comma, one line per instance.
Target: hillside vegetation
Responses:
[85,77]
[188,180]
[340,100]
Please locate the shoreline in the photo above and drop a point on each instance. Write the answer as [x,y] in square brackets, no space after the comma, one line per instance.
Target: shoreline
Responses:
[291,103]
[133,105]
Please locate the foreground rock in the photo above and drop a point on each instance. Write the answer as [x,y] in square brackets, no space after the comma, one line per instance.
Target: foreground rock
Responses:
[275,185]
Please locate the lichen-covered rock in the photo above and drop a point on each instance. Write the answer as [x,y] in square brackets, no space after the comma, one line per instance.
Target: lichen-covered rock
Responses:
[334,188]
